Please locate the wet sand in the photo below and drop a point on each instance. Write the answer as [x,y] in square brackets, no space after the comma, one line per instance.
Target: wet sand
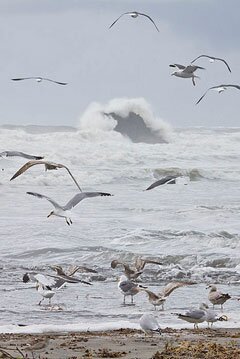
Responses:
[124,343]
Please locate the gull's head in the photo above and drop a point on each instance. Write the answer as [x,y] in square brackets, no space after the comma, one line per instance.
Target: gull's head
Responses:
[212,287]
[51,214]
[39,79]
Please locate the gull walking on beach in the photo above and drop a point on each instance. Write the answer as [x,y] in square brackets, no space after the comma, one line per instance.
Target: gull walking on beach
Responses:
[149,324]
[212,59]
[128,288]
[48,167]
[212,316]
[194,316]
[134,15]
[216,297]
[6,154]
[219,89]
[62,211]
[38,79]
[186,72]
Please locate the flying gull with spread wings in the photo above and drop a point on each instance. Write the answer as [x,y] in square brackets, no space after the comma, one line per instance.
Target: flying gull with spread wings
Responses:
[134,15]
[38,79]
[62,211]
[186,72]
[212,59]
[133,273]
[6,154]
[219,89]
[48,166]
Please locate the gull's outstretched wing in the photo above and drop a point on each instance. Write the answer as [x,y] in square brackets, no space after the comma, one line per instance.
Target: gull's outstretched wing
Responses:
[20,154]
[170,287]
[125,13]
[41,196]
[149,19]
[192,68]
[213,58]
[80,196]
[26,78]
[52,282]
[164,180]
[56,82]
[220,88]
[140,263]
[179,66]
[48,166]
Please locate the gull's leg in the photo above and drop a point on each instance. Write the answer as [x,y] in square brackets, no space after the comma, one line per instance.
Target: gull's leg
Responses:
[131,299]
[66,219]
[70,220]
[40,301]
[124,301]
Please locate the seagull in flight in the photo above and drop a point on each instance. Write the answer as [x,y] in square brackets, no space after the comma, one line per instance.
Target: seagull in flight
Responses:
[171,179]
[61,211]
[5,154]
[38,79]
[134,15]
[219,89]
[133,273]
[186,72]
[48,166]
[212,59]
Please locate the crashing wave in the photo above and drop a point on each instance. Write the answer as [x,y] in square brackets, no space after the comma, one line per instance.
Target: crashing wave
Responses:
[130,117]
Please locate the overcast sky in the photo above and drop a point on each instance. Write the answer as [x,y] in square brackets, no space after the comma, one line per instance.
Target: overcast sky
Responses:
[69,40]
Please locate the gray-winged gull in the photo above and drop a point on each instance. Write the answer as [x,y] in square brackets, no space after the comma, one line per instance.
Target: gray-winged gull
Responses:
[186,72]
[61,211]
[129,288]
[134,15]
[212,59]
[19,154]
[219,89]
[149,324]
[39,79]
[133,273]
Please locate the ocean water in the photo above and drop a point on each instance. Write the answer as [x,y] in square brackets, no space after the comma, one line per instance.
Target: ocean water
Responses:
[192,229]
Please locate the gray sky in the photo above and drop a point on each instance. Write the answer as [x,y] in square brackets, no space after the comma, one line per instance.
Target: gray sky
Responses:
[69,40]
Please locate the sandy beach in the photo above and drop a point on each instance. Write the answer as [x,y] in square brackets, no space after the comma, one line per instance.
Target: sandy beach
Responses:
[124,343]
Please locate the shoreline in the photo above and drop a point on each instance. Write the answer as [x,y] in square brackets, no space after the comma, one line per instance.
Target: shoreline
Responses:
[125,343]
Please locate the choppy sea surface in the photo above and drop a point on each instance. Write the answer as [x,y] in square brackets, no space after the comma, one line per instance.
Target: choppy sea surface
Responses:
[192,229]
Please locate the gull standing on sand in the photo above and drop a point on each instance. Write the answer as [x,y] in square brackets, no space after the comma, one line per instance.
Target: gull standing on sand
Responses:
[186,72]
[133,273]
[216,297]
[134,15]
[219,89]
[61,211]
[194,316]
[38,79]
[127,287]
[160,298]
[212,59]
[48,166]
[212,316]
[5,154]
[149,324]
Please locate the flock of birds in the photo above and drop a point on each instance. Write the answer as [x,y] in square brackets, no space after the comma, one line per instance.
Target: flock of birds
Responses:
[47,285]
[181,71]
